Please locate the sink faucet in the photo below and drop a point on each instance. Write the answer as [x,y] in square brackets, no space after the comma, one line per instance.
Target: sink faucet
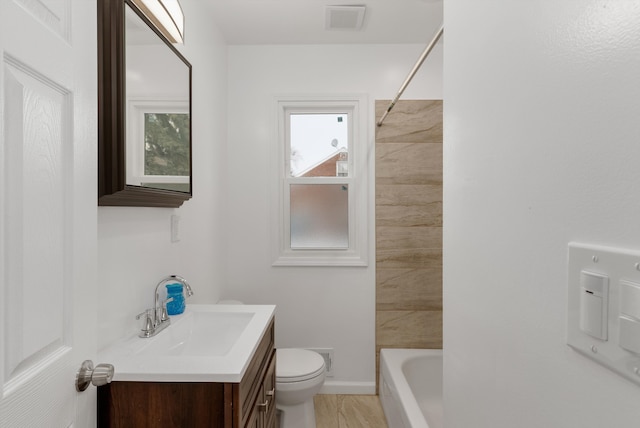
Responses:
[157,318]
[163,312]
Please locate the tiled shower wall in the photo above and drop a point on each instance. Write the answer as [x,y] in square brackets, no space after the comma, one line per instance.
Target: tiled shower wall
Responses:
[409,226]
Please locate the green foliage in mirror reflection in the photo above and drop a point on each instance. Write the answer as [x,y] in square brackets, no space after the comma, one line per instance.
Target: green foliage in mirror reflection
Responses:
[166,144]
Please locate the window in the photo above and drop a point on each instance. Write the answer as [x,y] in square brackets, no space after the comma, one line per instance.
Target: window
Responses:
[322,213]
[161,160]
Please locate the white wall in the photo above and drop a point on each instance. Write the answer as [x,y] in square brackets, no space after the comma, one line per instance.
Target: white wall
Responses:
[541,148]
[134,245]
[317,307]
[143,79]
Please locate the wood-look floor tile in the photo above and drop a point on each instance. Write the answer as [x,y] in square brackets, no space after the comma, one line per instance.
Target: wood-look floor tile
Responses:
[360,411]
[349,411]
[326,407]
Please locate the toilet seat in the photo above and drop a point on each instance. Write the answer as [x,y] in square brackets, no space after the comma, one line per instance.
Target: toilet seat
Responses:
[297,365]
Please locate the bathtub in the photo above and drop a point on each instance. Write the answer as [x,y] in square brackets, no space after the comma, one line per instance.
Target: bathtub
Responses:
[411,387]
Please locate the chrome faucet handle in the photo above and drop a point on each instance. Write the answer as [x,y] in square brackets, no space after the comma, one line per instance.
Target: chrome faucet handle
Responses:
[145,312]
[164,317]
[148,323]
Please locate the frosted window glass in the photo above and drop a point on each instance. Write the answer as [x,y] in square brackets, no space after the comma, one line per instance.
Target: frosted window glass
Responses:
[319,216]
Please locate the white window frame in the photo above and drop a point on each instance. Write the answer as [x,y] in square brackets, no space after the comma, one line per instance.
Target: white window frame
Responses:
[357,252]
[137,108]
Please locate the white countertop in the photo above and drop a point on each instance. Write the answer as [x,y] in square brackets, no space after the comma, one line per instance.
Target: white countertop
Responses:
[138,359]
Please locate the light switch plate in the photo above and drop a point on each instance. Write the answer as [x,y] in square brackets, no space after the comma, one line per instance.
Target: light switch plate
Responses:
[621,266]
[175,228]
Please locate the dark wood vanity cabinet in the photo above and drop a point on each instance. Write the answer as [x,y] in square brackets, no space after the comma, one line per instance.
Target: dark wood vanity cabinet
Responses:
[250,403]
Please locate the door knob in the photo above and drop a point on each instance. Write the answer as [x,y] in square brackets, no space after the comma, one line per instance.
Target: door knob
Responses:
[100,375]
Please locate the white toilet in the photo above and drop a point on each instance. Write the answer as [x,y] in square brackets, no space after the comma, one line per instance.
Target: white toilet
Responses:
[299,376]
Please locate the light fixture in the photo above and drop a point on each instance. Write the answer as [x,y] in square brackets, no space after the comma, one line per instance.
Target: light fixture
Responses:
[166,15]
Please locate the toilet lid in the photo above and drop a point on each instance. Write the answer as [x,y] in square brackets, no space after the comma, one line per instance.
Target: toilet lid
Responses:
[296,365]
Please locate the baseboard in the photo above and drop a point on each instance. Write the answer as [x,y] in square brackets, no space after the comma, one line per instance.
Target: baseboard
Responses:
[348,388]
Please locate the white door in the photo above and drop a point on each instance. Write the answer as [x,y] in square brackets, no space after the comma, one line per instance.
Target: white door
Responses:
[48,212]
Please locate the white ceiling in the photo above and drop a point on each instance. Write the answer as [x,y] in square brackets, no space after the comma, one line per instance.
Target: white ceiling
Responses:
[303,21]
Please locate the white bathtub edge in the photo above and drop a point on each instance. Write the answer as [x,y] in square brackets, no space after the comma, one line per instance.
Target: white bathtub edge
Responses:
[391,361]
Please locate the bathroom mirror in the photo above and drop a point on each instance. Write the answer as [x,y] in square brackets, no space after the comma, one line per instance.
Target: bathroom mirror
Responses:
[144,113]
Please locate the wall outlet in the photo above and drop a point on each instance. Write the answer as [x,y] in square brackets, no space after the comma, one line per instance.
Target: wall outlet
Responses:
[327,354]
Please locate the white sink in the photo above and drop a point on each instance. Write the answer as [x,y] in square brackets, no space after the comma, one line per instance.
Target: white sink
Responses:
[208,343]
[198,333]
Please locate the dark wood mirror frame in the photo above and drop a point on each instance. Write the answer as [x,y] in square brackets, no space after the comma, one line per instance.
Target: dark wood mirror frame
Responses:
[113,189]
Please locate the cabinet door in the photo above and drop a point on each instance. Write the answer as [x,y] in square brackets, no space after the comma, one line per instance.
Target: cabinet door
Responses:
[255,420]
[263,412]
[256,417]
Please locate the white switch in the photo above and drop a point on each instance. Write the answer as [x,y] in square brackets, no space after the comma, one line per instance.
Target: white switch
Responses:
[629,316]
[629,334]
[630,298]
[594,302]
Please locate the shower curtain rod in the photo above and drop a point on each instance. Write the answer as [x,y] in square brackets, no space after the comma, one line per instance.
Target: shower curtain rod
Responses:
[412,73]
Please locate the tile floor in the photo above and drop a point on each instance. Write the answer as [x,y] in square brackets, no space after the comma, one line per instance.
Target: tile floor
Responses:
[349,411]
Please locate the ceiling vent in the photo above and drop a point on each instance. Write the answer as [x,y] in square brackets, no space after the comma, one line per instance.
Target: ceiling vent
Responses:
[345,17]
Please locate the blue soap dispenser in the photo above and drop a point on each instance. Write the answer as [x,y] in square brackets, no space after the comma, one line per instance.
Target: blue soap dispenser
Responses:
[177,305]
